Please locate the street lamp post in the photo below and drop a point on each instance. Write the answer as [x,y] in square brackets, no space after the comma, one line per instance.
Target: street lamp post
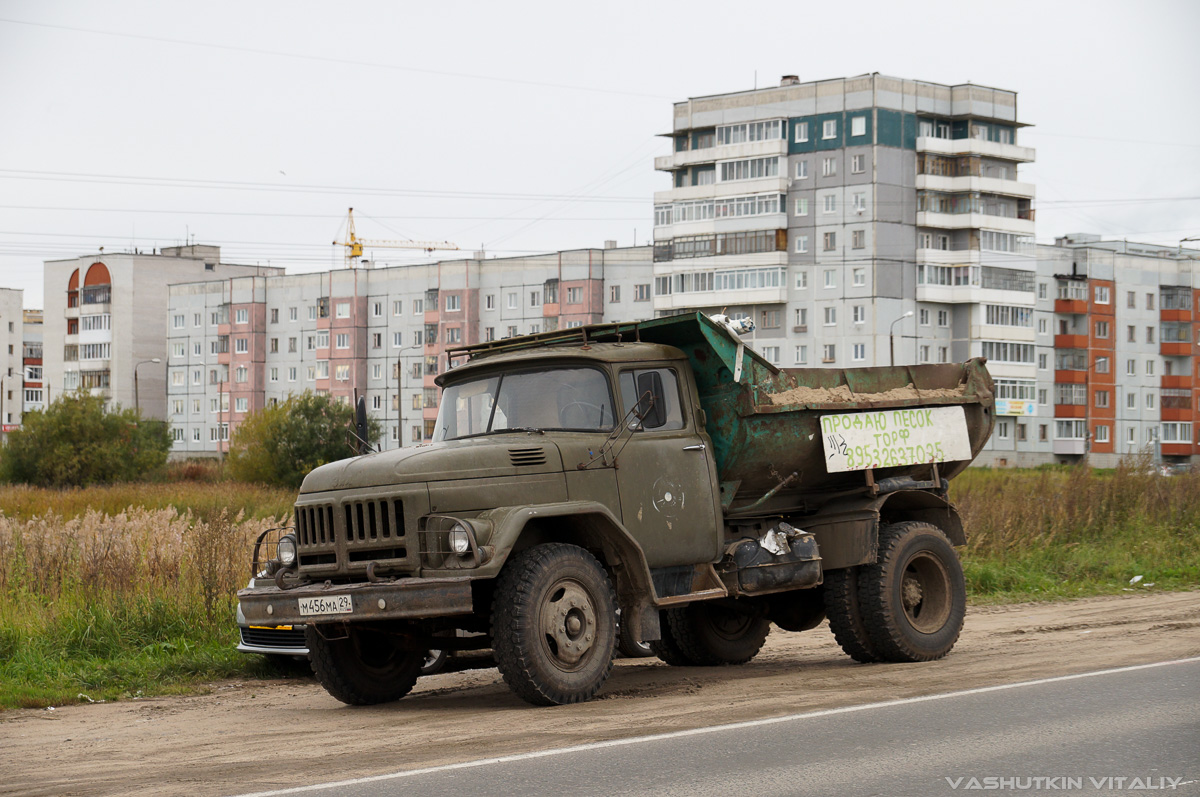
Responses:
[137,407]
[892,338]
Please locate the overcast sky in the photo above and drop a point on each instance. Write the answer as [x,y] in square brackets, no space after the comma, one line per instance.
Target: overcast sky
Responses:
[522,127]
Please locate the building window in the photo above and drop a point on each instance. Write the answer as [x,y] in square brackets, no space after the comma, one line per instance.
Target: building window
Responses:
[801,244]
[1131,300]
[489,333]
[418,306]
[943,318]
[770,319]
[574,295]
[860,203]
[858,126]
[828,167]
[801,206]
[802,276]
[241,405]
[943,354]
[829,242]
[453,335]
[860,352]
[829,129]
[489,302]
[829,353]
[801,170]
[1149,333]
[1002,430]
[342,373]
[858,164]
[771,354]
[241,345]
[293,314]
[830,316]
[292,374]
[322,369]
[512,332]
[641,293]
[1149,367]
[1101,434]
[614,294]
[1131,367]
[376,340]
[342,309]
[1102,365]
[923,317]
[1102,329]
[830,277]
[453,303]
[343,340]
[801,355]
[274,315]
[829,203]
[178,321]
[1101,398]
[800,132]
[240,374]
[274,347]
[858,239]
[512,301]
[860,313]
[1149,301]
[1102,294]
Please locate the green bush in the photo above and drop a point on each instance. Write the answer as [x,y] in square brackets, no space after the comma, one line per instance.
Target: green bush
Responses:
[281,444]
[77,442]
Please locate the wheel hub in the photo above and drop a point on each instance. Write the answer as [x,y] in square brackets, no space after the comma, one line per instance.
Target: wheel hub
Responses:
[911,593]
[568,622]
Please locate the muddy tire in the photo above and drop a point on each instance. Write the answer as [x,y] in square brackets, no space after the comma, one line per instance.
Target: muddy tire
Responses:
[711,634]
[845,614]
[363,669]
[666,648]
[554,624]
[913,597]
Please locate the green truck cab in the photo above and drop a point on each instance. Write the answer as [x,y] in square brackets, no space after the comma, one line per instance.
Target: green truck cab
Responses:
[658,472]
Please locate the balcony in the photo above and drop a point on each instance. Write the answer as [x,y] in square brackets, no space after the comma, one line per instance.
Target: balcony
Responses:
[747,149]
[1070,447]
[1070,411]
[1176,382]
[975,221]
[760,185]
[1070,341]
[986,185]
[1176,348]
[974,146]
[1071,306]
[948,257]
[1179,315]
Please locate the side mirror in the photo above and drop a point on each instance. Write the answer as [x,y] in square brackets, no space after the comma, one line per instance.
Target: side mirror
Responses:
[651,406]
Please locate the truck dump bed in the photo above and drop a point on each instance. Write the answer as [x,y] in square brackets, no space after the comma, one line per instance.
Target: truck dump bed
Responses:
[824,424]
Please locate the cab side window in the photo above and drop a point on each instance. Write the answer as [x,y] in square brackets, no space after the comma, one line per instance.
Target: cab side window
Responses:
[672,405]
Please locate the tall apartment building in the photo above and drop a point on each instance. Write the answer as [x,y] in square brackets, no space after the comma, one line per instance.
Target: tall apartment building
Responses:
[31,361]
[105,315]
[238,344]
[12,330]
[859,221]
[1117,359]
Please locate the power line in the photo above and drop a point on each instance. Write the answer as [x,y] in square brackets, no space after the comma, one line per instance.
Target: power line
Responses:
[330,216]
[188,182]
[340,61]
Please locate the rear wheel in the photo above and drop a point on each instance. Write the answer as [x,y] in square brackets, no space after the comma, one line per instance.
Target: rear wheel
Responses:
[665,647]
[846,615]
[914,596]
[364,667]
[434,661]
[710,634]
[554,624]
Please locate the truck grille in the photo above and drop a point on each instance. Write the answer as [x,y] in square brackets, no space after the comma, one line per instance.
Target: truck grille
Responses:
[345,536]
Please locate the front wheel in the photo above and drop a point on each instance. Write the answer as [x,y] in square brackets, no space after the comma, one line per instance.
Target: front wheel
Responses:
[554,624]
[914,597]
[364,667]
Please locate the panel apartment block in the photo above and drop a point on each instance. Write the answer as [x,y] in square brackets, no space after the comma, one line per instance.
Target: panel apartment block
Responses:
[380,333]
[105,316]
[859,221]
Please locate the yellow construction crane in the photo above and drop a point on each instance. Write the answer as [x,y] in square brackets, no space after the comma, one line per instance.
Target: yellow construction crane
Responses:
[354,245]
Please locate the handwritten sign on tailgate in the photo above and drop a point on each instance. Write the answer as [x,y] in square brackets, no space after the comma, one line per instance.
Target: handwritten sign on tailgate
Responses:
[887,438]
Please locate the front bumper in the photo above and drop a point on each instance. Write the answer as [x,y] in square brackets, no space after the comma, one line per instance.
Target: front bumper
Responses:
[404,599]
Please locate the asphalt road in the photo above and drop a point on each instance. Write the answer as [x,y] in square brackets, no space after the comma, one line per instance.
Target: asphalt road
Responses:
[1074,732]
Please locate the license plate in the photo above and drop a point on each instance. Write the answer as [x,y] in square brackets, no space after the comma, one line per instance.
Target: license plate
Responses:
[326,604]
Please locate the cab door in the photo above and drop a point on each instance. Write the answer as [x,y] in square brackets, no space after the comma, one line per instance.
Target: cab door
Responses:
[666,475]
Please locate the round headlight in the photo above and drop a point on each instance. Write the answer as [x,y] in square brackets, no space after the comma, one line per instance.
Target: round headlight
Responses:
[460,541]
[286,551]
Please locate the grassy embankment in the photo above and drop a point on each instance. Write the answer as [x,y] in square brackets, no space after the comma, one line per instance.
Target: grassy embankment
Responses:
[112,592]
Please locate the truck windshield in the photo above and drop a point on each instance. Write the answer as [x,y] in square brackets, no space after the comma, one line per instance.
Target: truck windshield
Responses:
[561,399]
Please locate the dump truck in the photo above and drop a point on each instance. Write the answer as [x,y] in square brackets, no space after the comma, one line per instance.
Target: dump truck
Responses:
[661,476]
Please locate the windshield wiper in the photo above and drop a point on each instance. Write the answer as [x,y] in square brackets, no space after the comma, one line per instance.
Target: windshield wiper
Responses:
[518,429]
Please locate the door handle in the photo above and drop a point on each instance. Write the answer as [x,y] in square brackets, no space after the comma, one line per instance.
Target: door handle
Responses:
[694,448]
